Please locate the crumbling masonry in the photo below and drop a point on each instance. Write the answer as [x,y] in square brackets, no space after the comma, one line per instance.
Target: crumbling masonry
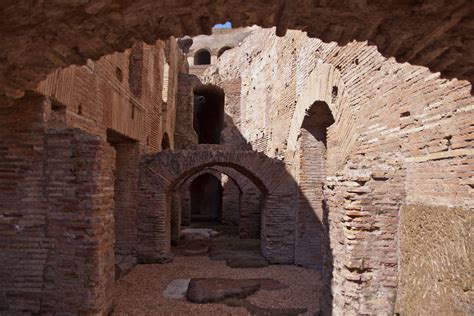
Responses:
[341,135]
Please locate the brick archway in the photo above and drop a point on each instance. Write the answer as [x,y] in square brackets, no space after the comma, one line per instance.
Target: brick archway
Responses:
[161,172]
[245,212]
[432,35]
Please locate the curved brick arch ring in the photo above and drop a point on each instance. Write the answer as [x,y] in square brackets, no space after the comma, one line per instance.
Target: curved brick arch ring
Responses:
[325,85]
[161,172]
[248,215]
[399,29]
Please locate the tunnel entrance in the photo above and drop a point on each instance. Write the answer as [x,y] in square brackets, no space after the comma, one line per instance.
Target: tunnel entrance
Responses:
[208,114]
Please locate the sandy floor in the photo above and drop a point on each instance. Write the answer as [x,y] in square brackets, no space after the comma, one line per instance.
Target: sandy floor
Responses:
[139,292]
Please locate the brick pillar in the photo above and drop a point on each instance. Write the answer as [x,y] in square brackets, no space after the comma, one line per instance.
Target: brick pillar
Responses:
[79,274]
[23,244]
[230,201]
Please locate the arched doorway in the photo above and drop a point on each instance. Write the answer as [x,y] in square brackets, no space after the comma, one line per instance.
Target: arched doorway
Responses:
[208,114]
[202,57]
[158,182]
[206,198]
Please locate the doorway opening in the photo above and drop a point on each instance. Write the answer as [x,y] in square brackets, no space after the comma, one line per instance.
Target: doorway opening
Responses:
[206,198]
[209,114]
[202,57]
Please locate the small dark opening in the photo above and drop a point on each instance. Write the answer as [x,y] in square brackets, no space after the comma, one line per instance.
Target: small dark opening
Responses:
[334,93]
[165,142]
[57,106]
[119,74]
[202,57]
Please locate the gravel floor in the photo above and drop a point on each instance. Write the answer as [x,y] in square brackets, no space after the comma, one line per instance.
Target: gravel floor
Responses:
[139,292]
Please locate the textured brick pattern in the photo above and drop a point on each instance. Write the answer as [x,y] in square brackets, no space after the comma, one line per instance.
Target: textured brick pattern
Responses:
[160,173]
[401,136]
[79,189]
[24,245]
[426,274]
[62,230]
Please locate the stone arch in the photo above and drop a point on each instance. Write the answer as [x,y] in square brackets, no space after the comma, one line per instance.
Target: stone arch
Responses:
[202,57]
[248,213]
[161,172]
[429,35]
[181,208]
[222,50]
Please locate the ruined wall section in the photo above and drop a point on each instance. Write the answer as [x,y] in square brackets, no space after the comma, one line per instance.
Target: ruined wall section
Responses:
[122,92]
[56,213]
[413,148]
[24,244]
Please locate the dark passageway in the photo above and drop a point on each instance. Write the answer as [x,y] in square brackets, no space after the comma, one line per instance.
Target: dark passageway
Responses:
[208,114]
[206,198]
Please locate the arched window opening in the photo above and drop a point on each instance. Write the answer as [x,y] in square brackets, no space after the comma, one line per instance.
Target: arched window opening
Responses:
[208,114]
[206,198]
[222,50]
[165,142]
[202,57]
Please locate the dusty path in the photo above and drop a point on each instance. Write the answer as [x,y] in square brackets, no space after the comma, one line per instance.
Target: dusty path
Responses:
[140,291]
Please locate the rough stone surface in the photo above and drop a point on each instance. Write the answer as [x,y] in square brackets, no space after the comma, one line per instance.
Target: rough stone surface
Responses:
[176,289]
[431,270]
[217,290]
[431,34]
[378,199]
[139,292]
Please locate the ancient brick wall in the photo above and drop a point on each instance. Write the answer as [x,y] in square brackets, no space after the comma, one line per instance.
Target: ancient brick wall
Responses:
[125,187]
[268,175]
[57,220]
[80,224]
[67,174]
[122,92]
[431,34]
[249,204]
[185,136]
[24,244]
[230,201]
[401,136]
